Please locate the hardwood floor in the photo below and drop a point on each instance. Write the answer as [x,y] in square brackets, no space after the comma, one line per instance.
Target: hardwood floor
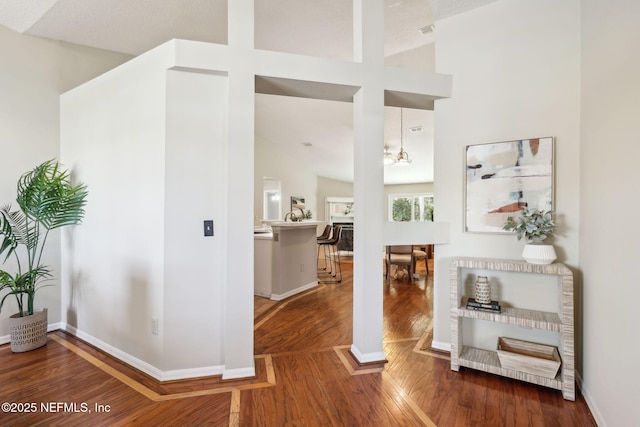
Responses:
[304,377]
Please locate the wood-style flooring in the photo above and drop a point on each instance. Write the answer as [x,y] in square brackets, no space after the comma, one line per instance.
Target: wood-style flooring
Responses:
[304,377]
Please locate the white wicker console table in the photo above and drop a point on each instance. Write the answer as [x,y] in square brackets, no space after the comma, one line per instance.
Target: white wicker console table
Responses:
[561,322]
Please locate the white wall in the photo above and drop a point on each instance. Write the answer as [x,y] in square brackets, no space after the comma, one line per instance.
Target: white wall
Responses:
[296,180]
[113,133]
[328,187]
[195,177]
[33,73]
[609,208]
[421,58]
[516,75]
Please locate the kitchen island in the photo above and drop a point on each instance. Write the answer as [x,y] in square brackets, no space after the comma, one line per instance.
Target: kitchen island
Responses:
[285,261]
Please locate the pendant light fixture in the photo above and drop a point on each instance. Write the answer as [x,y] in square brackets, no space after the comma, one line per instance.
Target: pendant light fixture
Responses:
[403,156]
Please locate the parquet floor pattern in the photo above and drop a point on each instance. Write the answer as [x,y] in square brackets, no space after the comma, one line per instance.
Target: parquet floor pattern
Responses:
[304,377]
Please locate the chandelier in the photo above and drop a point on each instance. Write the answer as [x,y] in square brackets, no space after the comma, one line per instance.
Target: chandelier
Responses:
[402,159]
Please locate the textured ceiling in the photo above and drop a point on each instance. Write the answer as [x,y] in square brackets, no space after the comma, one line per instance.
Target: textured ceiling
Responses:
[445,8]
[126,26]
[308,27]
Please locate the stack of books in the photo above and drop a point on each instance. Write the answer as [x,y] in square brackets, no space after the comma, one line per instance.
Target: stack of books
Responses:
[493,306]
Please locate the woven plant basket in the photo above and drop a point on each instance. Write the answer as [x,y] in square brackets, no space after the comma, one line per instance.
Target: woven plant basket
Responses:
[28,332]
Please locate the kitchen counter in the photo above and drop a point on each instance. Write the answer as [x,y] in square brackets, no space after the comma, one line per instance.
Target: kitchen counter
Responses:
[285,259]
[299,224]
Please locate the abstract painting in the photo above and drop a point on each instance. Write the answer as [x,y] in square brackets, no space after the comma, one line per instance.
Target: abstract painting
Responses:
[502,178]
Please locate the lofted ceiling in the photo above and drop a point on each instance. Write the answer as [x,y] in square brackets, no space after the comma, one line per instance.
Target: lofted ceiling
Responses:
[307,27]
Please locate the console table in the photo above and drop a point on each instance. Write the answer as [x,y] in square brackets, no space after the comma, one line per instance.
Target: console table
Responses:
[561,322]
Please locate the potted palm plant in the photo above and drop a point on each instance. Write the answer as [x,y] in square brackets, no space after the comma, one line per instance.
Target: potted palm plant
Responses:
[535,226]
[47,201]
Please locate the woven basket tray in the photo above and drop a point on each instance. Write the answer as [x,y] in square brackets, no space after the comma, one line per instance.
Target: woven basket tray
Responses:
[531,358]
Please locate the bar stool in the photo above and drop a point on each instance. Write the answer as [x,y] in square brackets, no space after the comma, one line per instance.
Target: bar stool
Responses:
[333,255]
[324,236]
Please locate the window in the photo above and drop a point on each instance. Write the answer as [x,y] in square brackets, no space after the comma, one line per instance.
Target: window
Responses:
[411,207]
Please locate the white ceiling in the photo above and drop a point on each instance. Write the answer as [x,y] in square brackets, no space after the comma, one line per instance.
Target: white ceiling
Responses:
[308,27]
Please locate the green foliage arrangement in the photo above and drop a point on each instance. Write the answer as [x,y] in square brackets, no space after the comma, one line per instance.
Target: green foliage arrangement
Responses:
[47,201]
[532,224]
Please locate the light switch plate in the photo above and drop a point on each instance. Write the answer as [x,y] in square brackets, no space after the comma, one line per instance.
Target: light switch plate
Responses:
[208,227]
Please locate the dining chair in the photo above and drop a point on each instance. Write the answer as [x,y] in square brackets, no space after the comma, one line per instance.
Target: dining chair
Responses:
[420,254]
[400,255]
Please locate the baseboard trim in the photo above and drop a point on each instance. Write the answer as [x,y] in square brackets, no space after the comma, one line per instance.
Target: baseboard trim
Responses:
[241,373]
[363,358]
[280,297]
[439,345]
[141,365]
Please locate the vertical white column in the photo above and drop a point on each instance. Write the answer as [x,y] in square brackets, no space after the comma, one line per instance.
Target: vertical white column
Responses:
[368,183]
[238,344]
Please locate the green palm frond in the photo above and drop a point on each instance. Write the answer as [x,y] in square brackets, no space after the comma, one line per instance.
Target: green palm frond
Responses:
[16,229]
[23,284]
[46,196]
[9,239]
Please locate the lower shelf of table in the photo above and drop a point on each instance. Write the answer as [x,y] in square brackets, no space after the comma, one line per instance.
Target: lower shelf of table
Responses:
[487,361]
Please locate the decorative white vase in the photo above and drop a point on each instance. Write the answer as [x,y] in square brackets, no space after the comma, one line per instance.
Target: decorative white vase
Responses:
[482,290]
[537,252]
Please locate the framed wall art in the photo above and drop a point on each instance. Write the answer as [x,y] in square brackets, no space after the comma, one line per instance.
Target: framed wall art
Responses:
[504,177]
[297,206]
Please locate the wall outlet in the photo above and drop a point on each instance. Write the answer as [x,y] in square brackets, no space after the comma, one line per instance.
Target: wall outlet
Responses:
[301,268]
[154,325]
